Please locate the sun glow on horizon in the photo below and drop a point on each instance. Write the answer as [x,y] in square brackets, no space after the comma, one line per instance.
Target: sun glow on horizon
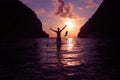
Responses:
[72,27]
[69,24]
[73,13]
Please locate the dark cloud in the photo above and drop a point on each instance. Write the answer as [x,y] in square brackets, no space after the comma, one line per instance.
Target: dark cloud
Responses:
[62,10]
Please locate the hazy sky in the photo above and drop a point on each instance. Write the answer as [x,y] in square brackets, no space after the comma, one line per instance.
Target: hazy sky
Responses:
[57,13]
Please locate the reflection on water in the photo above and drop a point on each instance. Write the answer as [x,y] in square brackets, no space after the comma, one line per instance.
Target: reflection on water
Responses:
[78,59]
[70,44]
[72,62]
[70,59]
[67,56]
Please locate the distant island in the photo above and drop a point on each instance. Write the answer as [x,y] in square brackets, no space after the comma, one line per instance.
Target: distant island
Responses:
[17,20]
[104,23]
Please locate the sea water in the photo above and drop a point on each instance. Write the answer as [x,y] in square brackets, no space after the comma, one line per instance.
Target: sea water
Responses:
[78,59]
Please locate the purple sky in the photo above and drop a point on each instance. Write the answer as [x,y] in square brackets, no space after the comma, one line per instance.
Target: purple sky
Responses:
[55,13]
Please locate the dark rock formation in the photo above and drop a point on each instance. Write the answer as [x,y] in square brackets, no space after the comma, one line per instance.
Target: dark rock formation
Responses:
[104,23]
[17,20]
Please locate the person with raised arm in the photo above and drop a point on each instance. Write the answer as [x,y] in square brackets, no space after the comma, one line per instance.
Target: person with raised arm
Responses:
[58,32]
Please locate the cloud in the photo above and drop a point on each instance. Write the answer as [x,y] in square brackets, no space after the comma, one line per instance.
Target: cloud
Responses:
[90,3]
[40,11]
[62,10]
[80,8]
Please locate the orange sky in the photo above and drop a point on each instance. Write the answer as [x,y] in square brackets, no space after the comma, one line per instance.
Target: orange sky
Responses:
[73,27]
[58,13]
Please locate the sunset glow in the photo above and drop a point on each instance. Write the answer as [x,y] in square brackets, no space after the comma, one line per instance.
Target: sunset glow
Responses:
[69,24]
[58,13]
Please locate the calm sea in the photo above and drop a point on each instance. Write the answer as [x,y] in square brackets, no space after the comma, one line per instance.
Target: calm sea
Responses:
[78,59]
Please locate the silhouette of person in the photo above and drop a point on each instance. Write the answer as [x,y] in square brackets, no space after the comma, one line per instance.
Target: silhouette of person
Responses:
[66,33]
[58,36]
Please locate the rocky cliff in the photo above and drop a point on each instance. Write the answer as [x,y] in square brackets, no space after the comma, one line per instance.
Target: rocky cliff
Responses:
[17,20]
[104,23]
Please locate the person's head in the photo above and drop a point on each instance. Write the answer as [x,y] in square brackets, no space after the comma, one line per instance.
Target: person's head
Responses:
[58,29]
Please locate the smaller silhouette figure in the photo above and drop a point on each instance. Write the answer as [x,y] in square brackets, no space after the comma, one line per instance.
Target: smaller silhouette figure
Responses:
[66,33]
[58,36]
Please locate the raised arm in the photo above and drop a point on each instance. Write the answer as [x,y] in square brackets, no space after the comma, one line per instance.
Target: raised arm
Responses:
[53,29]
[63,27]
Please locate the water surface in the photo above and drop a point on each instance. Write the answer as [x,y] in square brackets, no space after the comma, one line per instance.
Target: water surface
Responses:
[78,59]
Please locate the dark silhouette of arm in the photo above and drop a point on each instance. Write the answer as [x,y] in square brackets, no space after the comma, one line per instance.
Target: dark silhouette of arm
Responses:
[53,30]
[63,28]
